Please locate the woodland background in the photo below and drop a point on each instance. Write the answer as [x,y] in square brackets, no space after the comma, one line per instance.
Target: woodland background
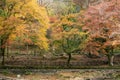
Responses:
[59,33]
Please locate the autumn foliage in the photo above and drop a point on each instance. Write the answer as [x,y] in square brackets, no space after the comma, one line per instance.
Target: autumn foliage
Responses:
[72,27]
[16,19]
[102,23]
[25,18]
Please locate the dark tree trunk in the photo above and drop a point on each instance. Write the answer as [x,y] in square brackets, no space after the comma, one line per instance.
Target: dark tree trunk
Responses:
[110,59]
[3,56]
[69,58]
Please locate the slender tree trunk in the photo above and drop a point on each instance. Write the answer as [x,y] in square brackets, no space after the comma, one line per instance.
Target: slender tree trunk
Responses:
[7,51]
[2,52]
[69,58]
[3,56]
[110,59]
[27,49]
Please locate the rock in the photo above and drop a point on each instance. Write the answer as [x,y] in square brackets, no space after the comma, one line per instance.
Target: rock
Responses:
[18,76]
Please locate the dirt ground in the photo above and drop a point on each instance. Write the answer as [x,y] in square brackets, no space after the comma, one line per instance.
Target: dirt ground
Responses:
[77,60]
[64,74]
[59,74]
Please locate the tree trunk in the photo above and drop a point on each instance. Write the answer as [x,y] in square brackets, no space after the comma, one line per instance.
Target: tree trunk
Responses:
[27,48]
[7,51]
[110,59]
[69,58]
[3,56]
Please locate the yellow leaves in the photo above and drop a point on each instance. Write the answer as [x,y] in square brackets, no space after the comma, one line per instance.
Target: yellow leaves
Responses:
[66,22]
[82,11]
[1,19]
[38,12]
[70,33]
[13,21]
[12,37]
[42,43]
[1,27]
[116,43]
[67,26]
[20,30]
[23,7]
[26,15]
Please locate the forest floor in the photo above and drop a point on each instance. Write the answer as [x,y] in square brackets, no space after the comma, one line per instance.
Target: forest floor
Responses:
[63,74]
[77,61]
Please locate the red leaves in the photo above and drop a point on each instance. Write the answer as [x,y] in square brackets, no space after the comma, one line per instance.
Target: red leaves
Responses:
[28,41]
[53,19]
[102,21]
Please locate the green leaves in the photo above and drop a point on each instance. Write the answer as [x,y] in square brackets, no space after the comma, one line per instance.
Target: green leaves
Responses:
[66,27]
[3,13]
[72,36]
[6,12]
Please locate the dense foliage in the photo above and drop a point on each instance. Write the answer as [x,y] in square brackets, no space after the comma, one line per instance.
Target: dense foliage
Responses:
[89,27]
[68,34]
[102,23]
[23,15]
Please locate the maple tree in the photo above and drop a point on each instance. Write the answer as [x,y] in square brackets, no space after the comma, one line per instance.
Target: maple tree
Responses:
[103,24]
[69,34]
[14,14]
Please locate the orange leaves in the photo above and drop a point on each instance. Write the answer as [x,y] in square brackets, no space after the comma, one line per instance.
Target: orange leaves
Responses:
[66,26]
[68,33]
[20,30]
[102,22]
[53,19]
[92,47]
[28,41]
[27,22]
